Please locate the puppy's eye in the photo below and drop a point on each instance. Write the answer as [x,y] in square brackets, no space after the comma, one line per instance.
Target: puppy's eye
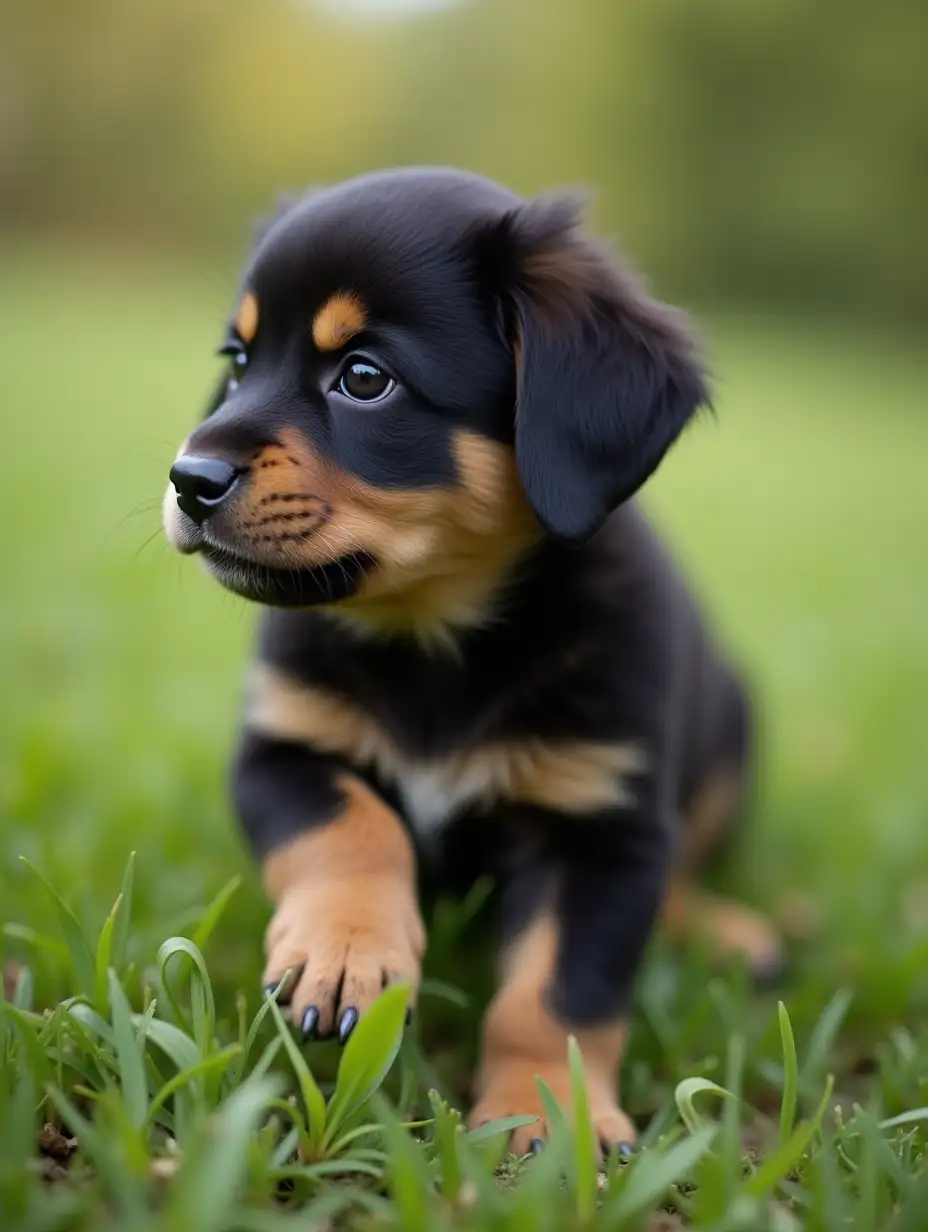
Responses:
[238,362]
[237,371]
[363,381]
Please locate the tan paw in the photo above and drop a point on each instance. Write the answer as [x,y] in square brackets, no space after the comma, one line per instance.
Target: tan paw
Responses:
[730,928]
[344,943]
[510,1090]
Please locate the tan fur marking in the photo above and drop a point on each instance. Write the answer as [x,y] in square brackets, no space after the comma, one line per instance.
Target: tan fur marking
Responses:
[246,319]
[522,1039]
[728,927]
[442,551]
[709,814]
[571,775]
[338,320]
[347,920]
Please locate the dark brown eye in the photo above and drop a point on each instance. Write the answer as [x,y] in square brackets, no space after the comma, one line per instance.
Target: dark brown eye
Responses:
[364,382]
[238,362]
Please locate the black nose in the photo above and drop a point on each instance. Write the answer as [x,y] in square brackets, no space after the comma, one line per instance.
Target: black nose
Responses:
[201,484]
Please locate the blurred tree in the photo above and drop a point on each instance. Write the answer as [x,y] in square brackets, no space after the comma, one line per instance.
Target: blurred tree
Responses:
[742,150]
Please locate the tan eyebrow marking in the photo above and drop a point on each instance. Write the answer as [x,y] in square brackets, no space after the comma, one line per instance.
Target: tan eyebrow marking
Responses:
[246,319]
[338,320]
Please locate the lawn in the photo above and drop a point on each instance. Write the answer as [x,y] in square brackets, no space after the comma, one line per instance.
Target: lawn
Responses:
[800,513]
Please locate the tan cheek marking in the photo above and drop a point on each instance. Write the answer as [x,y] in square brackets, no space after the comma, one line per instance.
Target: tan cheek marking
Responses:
[570,776]
[338,320]
[246,319]
[522,1038]
[443,550]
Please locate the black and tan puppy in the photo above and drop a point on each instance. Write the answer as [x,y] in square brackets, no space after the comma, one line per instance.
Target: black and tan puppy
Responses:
[476,657]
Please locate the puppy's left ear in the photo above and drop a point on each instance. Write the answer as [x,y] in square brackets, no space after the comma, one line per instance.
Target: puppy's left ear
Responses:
[606,377]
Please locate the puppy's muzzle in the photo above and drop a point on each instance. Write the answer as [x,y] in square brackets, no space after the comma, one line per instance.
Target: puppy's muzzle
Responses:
[202,484]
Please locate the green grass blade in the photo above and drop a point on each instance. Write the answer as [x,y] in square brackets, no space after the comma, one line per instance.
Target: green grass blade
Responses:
[88,1019]
[130,1055]
[778,1165]
[268,1057]
[905,1118]
[554,1113]
[214,912]
[103,960]
[173,1042]
[823,1037]
[82,957]
[685,1093]
[336,1167]
[584,1139]
[505,1125]
[885,1159]
[217,1061]
[410,1181]
[123,911]
[441,990]
[651,1175]
[28,1033]
[205,1195]
[36,940]
[201,991]
[309,1088]
[124,1190]
[446,1147]
[368,1056]
[790,1075]
[730,1135]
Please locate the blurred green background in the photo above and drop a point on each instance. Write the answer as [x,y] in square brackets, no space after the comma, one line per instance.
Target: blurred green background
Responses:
[763,162]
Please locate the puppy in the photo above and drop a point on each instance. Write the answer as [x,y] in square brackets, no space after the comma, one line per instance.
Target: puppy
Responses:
[475,655]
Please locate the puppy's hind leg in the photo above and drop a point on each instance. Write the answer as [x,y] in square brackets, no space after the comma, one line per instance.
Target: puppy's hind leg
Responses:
[726,926]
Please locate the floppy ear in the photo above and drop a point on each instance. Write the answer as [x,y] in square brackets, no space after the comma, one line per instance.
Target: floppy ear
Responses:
[606,376]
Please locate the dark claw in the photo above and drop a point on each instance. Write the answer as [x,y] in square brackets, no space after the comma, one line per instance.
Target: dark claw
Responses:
[769,974]
[625,1150]
[347,1024]
[270,989]
[536,1146]
[308,1025]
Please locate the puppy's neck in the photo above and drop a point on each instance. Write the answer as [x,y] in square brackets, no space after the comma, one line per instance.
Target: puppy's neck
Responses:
[449,614]
[467,588]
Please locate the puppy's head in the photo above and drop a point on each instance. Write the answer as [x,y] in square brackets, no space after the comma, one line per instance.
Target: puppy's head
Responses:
[425,376]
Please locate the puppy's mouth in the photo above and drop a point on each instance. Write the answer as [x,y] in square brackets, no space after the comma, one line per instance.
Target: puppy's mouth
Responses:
[286,587]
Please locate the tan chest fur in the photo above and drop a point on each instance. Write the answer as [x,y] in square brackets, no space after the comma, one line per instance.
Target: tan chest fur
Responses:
[570,776]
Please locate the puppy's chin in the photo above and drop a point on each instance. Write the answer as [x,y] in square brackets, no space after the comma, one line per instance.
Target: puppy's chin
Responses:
[287,587]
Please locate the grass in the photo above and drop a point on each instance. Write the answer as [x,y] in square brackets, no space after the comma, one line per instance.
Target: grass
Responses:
[800,514]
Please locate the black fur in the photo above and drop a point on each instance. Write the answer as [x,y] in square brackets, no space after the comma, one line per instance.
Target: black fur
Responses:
[496,316]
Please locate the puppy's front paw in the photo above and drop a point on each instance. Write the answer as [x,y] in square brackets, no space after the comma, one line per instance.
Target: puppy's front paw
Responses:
[343,944]
[509,1089]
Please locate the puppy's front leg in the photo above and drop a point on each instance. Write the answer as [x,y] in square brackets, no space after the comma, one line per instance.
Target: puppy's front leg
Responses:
[587,909]
[340,868]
